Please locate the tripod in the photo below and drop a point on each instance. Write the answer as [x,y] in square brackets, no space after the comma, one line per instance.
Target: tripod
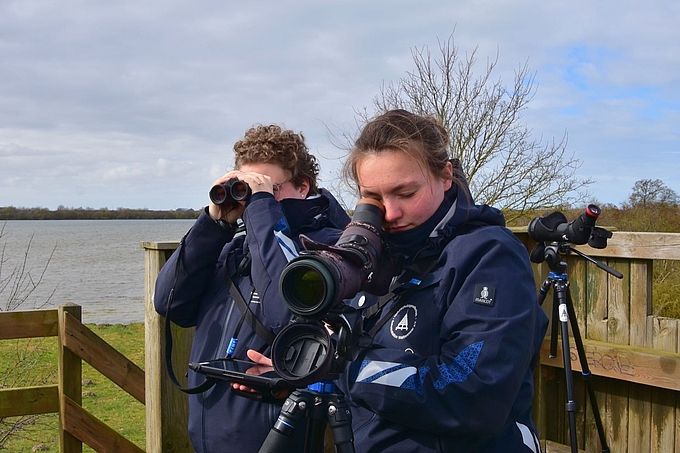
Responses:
[323,405]
[563,309]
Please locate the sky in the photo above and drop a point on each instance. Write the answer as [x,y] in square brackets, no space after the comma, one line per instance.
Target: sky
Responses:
[137,104]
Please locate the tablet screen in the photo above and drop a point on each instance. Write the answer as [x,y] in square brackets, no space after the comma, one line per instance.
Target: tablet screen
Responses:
[241,366]
[242,371]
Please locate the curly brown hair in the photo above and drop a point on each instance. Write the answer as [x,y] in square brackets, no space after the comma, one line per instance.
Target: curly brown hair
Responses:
[274,145]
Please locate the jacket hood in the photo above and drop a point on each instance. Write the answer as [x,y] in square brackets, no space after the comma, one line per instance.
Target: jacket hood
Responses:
[314,213]
[463,211]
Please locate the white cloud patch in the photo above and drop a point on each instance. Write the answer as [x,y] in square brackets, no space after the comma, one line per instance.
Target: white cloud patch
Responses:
[138,104]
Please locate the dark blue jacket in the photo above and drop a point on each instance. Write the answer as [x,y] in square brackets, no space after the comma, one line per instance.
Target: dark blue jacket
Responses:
[219,420]
[451,370]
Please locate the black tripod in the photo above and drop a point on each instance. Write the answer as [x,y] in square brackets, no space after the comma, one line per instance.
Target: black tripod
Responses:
[323,406]
[563,309]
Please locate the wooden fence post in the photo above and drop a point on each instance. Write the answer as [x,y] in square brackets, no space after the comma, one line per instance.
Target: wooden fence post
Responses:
[70,380]
[167,408]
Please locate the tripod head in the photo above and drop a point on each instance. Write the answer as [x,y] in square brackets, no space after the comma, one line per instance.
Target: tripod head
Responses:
[555,228]
[306,352]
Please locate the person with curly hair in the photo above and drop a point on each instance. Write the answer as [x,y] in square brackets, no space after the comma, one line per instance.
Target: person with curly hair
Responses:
[244,246]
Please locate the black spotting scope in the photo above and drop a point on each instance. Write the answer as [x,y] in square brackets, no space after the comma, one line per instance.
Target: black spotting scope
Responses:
[323,275]
[555,227]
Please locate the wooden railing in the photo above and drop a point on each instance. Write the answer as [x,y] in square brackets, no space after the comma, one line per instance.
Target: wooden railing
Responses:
[632,354]
[167,408]
[76,343]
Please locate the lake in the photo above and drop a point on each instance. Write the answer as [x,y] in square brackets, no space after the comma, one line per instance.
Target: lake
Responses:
[98,264]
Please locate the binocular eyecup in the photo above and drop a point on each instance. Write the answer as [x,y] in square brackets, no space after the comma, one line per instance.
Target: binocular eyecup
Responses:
[230,192]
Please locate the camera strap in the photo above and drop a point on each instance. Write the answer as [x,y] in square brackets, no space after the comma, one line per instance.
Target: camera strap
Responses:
[247,313]
[208,383]
[414,273]
[420,269]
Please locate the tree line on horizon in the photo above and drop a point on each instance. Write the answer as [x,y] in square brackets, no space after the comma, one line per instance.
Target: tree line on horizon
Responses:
[63,213]
[651,206]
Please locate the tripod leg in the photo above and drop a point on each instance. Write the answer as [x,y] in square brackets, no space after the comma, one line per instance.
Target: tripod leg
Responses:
[561,295]
[340,421]
[553,326]
[315,436]
[543,290]
[585,372]
[292,411]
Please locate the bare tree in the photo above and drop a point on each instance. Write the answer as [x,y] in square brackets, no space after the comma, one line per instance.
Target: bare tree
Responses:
[18,282]
[648,192]
[505,166]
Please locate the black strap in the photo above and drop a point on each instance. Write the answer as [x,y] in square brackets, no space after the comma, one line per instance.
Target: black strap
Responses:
[250,317]
[420,268]
[208,383]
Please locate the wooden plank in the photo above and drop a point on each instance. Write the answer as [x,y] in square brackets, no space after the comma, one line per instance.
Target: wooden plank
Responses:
[618,304]
[641,245]
[167,245]
[617,415]
[592,437]
[70,380]
[582,415]
[627,363]
[640,418]
[547,409]
[167,408]
[677,422]
[28,324]
[95,433]
[597,328]
[665,334]
[43,399]
[554,447]
[663,421]
[539,402]
[639,396]
[578,269]
[663,401]
[558,422]
[103,357]
[640,276]
[625,244]
[618,332]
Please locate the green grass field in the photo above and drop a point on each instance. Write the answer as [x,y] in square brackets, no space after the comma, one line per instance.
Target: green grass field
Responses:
[101,397]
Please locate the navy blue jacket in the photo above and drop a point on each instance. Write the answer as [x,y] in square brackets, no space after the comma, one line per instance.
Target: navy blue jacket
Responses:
[219,420]
[451,370]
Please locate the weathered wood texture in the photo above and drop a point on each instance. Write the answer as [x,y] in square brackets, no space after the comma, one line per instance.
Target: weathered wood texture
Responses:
[76,343]
[632,355]
[167,408]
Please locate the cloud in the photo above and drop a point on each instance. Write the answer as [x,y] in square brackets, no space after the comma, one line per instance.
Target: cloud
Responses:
[137,104]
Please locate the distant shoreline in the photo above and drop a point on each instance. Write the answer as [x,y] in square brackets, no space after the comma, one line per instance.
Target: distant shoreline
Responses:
[61,213]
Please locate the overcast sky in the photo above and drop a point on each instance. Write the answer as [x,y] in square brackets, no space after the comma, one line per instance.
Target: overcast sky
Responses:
[138,103]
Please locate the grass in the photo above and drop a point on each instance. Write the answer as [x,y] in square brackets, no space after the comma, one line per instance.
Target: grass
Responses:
[101,397]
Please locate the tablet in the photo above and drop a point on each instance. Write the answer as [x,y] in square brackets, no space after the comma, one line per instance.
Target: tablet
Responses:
[243,372]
